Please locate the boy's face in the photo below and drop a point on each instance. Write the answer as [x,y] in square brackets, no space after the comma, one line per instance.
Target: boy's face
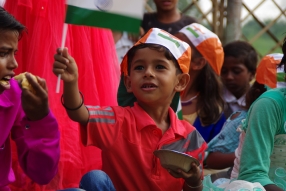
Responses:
[153,78]
[166,5]
[235,76]
[8,48]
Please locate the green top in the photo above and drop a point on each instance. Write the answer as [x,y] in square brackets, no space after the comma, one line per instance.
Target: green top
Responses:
[266,119]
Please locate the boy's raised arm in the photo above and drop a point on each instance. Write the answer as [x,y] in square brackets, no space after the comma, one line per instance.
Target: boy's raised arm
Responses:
[72,99]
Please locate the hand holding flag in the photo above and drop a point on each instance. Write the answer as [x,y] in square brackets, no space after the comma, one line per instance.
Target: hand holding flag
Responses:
[117,15]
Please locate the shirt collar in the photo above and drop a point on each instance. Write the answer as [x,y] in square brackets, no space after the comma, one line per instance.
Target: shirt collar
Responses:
[230,98]
[144,120]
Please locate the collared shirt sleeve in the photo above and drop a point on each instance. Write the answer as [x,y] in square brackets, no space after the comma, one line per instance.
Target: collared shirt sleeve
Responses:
[227,140]
[263,123]
[197,147]
[38,146]
[101,129]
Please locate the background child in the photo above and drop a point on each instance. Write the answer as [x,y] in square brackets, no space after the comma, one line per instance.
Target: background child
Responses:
[221,148]
[154,70]
[24,115]
[167,17]
[263,152]
[239,67]
[202,102]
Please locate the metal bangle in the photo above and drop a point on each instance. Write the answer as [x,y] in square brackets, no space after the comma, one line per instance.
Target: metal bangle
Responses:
[73,109]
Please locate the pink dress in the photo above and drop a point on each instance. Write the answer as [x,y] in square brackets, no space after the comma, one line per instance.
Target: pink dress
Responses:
[94,51]
[37,141]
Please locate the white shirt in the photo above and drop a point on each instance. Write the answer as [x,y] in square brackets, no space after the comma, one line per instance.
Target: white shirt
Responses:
[122,46]
[233,103]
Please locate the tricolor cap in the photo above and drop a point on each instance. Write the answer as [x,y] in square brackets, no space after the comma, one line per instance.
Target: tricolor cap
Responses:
[207,43]
[268,72]
[179,49]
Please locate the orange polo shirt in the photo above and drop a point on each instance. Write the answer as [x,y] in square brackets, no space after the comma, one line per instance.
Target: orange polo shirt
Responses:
[128,136]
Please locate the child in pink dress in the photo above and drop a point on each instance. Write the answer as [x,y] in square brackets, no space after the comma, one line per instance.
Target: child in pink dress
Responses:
[24,116]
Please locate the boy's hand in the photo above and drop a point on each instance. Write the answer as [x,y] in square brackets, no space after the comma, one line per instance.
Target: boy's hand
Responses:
[35,105]
[65,65]
[192,178]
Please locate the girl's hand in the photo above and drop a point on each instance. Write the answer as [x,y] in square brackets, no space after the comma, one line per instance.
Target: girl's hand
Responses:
[65,65]
[35,105]
[192,178]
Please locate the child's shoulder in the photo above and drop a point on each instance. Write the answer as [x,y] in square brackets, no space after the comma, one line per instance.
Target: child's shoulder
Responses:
[183,124]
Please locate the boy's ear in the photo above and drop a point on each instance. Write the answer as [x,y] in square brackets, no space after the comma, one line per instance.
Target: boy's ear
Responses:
[198,64]
[183,80]
[127,84]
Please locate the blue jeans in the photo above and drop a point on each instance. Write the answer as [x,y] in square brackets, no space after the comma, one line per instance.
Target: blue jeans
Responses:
[95,180]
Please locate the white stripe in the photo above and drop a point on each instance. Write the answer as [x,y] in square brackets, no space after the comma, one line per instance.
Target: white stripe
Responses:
[179,106]
[91,106]
[202,31]
[276,56]
[100,120]
[176,51]
[132,8]
[100,112]
[281,84]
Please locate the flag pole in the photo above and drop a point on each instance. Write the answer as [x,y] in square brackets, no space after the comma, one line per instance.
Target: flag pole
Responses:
[64,36]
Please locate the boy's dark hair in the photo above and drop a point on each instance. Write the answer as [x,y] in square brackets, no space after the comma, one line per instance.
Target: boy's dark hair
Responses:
[157,47]
[244,52]
[9,23]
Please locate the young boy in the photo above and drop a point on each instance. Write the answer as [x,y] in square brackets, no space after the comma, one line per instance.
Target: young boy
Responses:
[239,67]
[154,70]
[24,115]
[167,17]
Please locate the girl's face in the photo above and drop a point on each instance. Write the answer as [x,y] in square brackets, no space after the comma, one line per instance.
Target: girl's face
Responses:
[8,49]
[235,76]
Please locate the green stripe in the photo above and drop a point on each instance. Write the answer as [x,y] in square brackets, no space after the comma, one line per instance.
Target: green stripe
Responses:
[180,114]
[280,77]
[193,32]
[170,39]
[80,16]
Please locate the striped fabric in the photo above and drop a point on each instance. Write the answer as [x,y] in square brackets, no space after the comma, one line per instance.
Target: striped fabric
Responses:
[119,15]
[207,43]
[99,115]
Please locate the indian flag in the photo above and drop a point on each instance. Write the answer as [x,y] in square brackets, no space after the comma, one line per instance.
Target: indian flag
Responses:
[179,112]
[118,15]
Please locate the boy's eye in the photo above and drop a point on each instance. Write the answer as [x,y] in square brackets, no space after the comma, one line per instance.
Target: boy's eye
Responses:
[3,54]
[160,67]
[138,68]
[237,71]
